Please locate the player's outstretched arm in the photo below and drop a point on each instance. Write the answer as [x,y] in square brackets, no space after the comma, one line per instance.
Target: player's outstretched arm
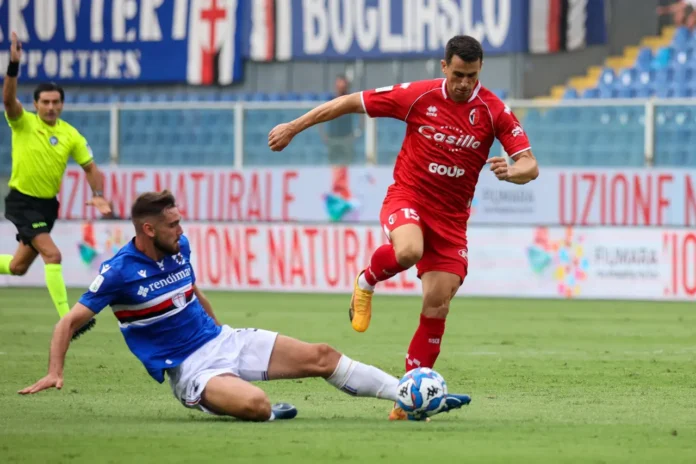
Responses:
[523,171]
[205,303]
[281,135]
[78,316]
[13,107]
[96,182]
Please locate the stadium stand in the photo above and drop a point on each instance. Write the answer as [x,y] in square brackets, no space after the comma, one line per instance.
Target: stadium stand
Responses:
[584,133]
[197,137]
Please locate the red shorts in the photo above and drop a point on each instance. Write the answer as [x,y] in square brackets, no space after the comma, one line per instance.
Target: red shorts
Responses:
[440,252]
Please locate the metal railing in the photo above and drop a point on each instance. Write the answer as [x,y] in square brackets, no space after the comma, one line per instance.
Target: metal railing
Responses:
[654,116]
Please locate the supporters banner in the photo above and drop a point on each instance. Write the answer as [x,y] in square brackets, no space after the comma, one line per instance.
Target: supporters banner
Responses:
[560,196]
[120,41]
[565,25]
[557,262]
[364,29]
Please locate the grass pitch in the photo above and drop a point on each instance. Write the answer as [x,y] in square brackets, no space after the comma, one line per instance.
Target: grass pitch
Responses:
[551,381]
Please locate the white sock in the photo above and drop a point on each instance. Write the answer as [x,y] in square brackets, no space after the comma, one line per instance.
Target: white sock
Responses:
[358,379]
[362,283]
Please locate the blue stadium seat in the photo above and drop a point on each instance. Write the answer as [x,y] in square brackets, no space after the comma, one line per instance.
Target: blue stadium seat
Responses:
[682,39]
[662,58]
[570,94]
[590,93]
[644,59]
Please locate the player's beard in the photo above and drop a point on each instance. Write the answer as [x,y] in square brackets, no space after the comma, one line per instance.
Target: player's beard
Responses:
[164,248]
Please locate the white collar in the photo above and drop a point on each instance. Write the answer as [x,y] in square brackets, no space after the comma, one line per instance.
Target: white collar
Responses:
[474,94]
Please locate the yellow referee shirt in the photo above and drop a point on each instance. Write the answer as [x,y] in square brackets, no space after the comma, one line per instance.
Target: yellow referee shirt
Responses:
[40,154]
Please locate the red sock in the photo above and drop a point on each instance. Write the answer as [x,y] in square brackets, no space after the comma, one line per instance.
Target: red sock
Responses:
[425,345]
[383,265]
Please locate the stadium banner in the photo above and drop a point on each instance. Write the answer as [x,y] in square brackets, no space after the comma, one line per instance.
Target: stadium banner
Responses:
[560,196]
[365,29]
[126,41]
[566,25]
[557,262]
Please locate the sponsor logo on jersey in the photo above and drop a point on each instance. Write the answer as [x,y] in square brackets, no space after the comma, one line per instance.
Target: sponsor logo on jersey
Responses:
[96,283]
[449,171]
[172,278]
[461,140]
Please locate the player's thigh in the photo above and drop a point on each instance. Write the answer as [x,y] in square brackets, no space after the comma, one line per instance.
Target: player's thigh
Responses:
[22,259]
[229,395]
[405,229]
[442,271]
[47,248]
[295,359]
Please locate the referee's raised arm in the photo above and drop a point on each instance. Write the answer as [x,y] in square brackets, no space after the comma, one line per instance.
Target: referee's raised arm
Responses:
[13,107]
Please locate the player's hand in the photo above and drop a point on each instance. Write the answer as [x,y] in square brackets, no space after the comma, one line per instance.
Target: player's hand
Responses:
[280,136]
[101,204]
[15,49]
[47,382]
[499,167]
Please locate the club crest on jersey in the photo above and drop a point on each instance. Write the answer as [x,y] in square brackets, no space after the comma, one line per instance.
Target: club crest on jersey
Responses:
[474,117]
[179,300]
[53,140]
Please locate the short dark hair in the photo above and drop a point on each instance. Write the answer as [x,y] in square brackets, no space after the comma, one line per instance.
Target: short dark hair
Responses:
[465,47]
[48,87]
[151,204]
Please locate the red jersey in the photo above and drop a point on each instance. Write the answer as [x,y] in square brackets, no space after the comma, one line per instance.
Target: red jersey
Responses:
[446,145]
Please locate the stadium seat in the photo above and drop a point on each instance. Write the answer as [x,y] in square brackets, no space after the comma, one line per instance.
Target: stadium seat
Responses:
[644,59]
[590,93]
[682,39]
[570,94]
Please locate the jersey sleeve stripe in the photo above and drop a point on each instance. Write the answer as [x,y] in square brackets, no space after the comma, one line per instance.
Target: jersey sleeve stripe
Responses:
[520,151]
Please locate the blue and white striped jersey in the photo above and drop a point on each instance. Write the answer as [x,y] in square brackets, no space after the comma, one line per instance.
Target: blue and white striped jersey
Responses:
[159,315]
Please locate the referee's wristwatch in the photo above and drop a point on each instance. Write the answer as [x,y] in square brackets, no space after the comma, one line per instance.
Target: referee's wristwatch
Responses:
[97,193]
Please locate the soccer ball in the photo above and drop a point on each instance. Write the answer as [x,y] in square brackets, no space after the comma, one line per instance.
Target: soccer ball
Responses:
[422,392]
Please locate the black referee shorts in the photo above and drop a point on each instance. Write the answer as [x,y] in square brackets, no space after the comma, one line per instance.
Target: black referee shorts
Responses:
[30,215]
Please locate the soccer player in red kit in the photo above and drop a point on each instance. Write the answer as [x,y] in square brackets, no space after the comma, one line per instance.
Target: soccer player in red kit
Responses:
[451,124]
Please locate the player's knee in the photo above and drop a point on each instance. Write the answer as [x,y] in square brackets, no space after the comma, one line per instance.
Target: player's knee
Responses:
[436,311]
[257,407]
[409,254]
[52,256]
[436,305]
[326,359]
[18,269]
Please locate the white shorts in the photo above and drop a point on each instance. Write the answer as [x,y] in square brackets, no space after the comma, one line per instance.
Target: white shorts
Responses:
[244,353]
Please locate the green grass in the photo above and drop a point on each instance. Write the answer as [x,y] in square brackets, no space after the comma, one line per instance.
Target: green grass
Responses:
[551,381]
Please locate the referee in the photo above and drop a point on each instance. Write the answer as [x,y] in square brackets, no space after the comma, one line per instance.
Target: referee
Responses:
[41,146]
